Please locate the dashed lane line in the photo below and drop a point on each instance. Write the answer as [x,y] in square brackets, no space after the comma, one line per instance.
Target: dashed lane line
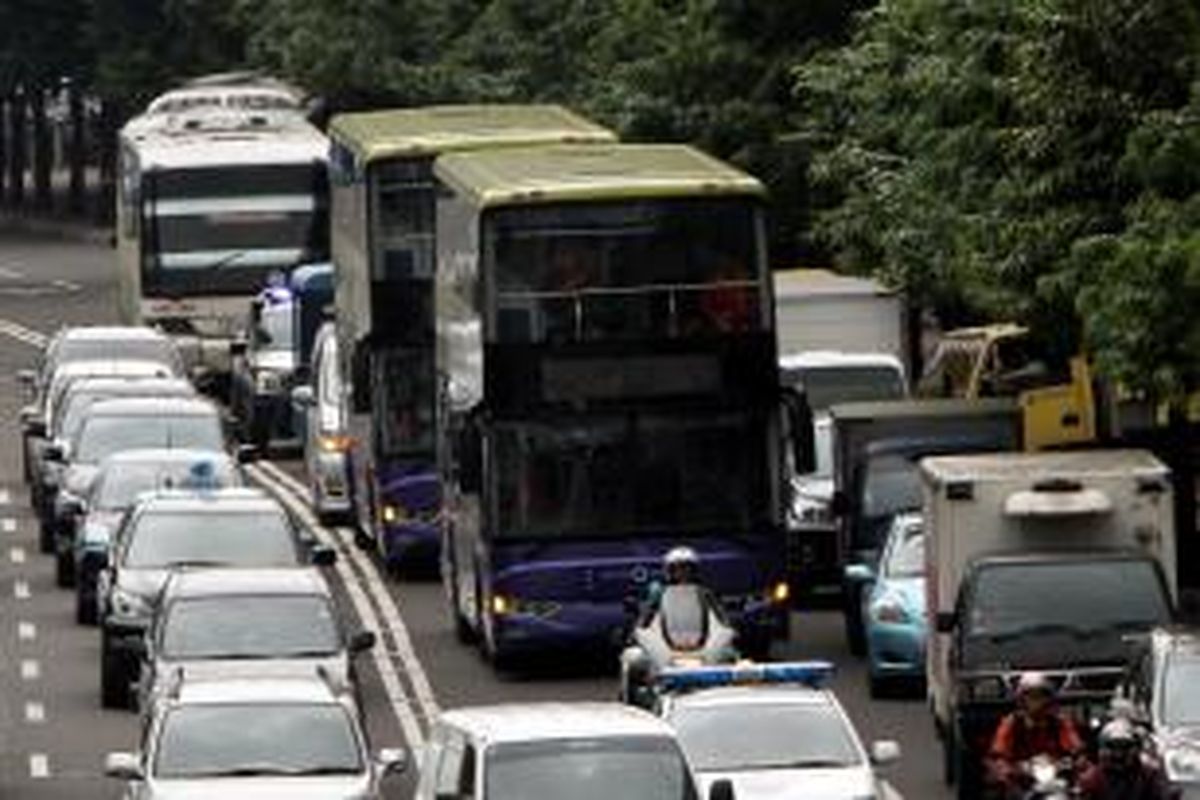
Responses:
[8,524]
[397,698]
[5,498]
[22,334]
[26,631]
[39,766]
[35,712]
[31,669]
[21,589]
[16,555]
[383,597]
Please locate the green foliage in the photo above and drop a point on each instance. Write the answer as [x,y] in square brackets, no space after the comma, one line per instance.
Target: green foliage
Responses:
[999,158]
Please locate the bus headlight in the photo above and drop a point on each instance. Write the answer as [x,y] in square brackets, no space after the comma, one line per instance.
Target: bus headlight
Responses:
[780,592]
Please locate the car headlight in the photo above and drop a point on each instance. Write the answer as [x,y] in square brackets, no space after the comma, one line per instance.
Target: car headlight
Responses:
[267,381]
[129,604]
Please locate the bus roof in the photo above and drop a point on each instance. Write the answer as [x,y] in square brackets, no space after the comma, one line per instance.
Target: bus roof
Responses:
[432,130]
[572,173]
[223,141]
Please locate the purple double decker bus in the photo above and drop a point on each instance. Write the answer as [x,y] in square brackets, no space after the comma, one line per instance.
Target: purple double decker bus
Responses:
[607,389]
[383,189]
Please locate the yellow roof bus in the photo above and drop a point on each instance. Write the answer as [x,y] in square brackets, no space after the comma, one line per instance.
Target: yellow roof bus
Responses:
[606,346]
[382,242]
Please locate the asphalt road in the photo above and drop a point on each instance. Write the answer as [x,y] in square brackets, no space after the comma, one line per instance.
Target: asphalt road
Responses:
[53,734]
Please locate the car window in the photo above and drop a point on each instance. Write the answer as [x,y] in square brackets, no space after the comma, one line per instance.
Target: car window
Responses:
[262,626]
[163,539]
[266,739]
[642,767]
[778,736]
[906,558]
[101,436]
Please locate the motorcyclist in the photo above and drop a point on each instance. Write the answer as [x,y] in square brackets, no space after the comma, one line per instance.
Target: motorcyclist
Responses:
[1035,728]
[1123,773]
[681,567]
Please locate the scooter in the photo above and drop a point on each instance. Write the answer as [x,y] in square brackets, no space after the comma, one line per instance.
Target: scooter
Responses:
[685,631]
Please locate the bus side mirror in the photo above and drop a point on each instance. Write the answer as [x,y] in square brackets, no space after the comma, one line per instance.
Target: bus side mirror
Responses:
[800,431]
[470,458]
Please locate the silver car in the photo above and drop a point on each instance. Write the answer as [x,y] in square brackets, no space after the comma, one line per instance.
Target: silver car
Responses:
[293,738]
[177,530]
[320,411]
[221,623]
[771,740]
[121,479]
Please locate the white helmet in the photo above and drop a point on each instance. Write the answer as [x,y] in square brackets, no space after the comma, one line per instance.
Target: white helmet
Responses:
[680,560]
[1035,682]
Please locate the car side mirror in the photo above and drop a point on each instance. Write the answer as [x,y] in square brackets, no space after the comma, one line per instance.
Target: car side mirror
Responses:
[361,641]
[945,621]
[303,396]
[884,752]
[323,556]
[839,504]
[800,431]
[126,766]
[247,453]
[392,760]
[53,453]
[859,573]
[238,347]
[721,790]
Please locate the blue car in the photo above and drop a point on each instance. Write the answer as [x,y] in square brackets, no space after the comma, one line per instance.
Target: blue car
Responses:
[893,610]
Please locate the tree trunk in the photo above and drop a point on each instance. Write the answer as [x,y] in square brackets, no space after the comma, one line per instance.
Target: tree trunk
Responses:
[16,138]
[109,122]
[43,151]
[77,153]
[4,103]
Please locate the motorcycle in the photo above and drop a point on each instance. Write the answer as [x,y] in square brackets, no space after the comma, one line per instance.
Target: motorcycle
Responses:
[685,631]
[1049,779]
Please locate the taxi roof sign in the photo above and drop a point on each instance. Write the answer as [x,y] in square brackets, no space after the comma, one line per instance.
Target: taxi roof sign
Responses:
[814,674]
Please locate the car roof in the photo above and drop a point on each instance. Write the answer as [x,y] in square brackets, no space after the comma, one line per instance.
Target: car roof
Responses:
[532,722]
[1076,465]
[114,332]
[243,582]
[121,384]
[736,696]
[211,501]
[249,691]
[153,406]
[164,455]
[112,368]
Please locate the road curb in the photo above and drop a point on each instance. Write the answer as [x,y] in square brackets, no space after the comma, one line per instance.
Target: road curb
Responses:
[67,230]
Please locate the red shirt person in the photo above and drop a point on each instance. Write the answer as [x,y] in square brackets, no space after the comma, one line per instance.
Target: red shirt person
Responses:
[1035,728]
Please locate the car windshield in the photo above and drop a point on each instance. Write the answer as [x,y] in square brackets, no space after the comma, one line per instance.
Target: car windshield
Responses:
[120,484]
[260,626]
[101,436]
[776,736]
[139,349]
[76,404]
[1180,700]
[610,475]
[829,385]
[1078,596]
[163,539]
[906,558]
[643,767]
[891,484]
[257,739]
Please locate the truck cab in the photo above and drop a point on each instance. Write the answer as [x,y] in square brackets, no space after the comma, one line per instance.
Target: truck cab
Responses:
[1052,562]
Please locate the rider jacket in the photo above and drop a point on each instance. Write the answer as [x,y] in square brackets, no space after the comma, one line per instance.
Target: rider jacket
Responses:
[1139,782]
[1019,739]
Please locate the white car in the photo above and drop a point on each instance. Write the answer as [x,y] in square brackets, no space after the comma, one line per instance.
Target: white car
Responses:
[781,736]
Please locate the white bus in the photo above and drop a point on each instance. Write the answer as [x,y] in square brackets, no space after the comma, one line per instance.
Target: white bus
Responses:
[211,201]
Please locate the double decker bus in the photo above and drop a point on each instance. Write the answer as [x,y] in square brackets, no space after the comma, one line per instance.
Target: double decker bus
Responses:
[211,200]
[383,196]
[606,354]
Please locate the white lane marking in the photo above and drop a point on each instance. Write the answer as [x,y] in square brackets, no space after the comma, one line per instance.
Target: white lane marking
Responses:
[397,697]
[16,555]
[26,631]
[387,604]
[35,712]
[67,286]
[31,670]
[5,498]
[39,766]
[11,274]
[21,589]
[23,334]
[8,524]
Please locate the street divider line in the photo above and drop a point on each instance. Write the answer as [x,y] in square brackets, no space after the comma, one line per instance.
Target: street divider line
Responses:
[26,631]
[39,766]
[22,334]
[5,498]
[383,598]
[8,524]
[31,670]
[398,699]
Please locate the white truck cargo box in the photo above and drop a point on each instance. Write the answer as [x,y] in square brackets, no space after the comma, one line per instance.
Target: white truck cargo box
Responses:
[816,309]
